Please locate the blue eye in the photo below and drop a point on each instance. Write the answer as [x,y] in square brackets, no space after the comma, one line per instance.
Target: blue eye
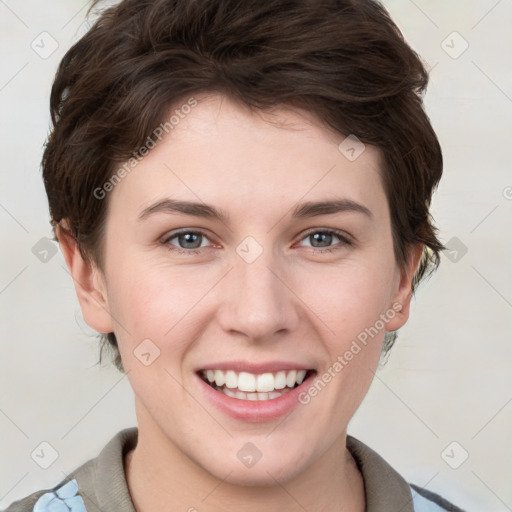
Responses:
[319,240]
[326,240]
[187,240]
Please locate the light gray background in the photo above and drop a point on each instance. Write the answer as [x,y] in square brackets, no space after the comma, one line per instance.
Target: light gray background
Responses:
[449,377]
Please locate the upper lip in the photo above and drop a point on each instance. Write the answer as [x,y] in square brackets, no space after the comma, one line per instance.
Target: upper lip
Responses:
[255,368]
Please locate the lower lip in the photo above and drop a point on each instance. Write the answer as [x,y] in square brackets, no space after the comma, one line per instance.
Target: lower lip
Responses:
[252,410]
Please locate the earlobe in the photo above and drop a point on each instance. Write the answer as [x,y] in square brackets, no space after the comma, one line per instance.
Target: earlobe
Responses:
[89,283]
[402,298]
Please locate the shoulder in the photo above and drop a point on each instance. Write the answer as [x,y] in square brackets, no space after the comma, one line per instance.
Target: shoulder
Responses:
[386,490]
[63,497]
[99,484]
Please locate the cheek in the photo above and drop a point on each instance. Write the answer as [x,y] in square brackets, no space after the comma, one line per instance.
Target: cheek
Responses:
[155,302]
[350,297]
[348,303]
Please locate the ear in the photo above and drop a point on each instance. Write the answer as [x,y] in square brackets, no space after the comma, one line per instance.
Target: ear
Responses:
[401,300]
[89,283]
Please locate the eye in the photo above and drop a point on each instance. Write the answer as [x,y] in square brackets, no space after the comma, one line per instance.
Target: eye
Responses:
[186,241]
[326,240]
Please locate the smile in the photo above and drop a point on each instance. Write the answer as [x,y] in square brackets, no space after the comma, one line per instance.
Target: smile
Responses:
[254,387]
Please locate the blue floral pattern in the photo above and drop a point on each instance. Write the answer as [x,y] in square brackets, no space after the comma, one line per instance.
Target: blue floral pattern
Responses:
[64,499]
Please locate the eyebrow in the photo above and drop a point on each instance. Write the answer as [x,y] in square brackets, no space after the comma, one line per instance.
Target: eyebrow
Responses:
[301,211]
[312,209]
[186,208]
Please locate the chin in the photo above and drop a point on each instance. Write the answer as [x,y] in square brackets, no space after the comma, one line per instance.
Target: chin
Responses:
[264,472]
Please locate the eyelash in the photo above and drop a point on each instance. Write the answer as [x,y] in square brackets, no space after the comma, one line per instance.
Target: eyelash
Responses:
[344,241]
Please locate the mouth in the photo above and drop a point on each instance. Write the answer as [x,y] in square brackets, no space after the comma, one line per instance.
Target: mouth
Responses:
[254,387]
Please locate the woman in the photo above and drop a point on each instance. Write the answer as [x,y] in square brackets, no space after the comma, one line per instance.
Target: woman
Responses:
[241,193]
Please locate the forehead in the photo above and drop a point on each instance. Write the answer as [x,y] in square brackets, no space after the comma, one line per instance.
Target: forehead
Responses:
[221,152]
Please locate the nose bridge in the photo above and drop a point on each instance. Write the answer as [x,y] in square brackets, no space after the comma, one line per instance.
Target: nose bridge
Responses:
[258,304]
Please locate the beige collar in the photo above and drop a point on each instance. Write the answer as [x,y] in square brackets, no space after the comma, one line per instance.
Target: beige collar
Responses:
[385,489]
[103,484]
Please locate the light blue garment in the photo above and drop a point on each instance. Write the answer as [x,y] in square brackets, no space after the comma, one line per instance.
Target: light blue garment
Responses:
[422,504]
[63,499]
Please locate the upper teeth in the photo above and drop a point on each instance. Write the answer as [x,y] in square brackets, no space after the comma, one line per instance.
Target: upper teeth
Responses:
[263,382]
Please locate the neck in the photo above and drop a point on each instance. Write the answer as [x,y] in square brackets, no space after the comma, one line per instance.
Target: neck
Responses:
[161,477]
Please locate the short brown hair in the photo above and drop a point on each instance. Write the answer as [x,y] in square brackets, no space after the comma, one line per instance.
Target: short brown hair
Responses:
[343,60]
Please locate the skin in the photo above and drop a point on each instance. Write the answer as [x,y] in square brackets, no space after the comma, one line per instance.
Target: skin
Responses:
[293,303]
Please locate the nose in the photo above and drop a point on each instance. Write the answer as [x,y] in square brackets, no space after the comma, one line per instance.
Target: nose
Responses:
[257,300]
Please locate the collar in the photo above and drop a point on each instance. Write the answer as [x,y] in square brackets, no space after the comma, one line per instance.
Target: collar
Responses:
[103,484]
[384,488]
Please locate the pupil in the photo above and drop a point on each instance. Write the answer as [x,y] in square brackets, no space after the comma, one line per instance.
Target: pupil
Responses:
[190,240]
[324,239]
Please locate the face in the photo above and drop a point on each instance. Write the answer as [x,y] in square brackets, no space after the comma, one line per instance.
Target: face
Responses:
[248,250]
